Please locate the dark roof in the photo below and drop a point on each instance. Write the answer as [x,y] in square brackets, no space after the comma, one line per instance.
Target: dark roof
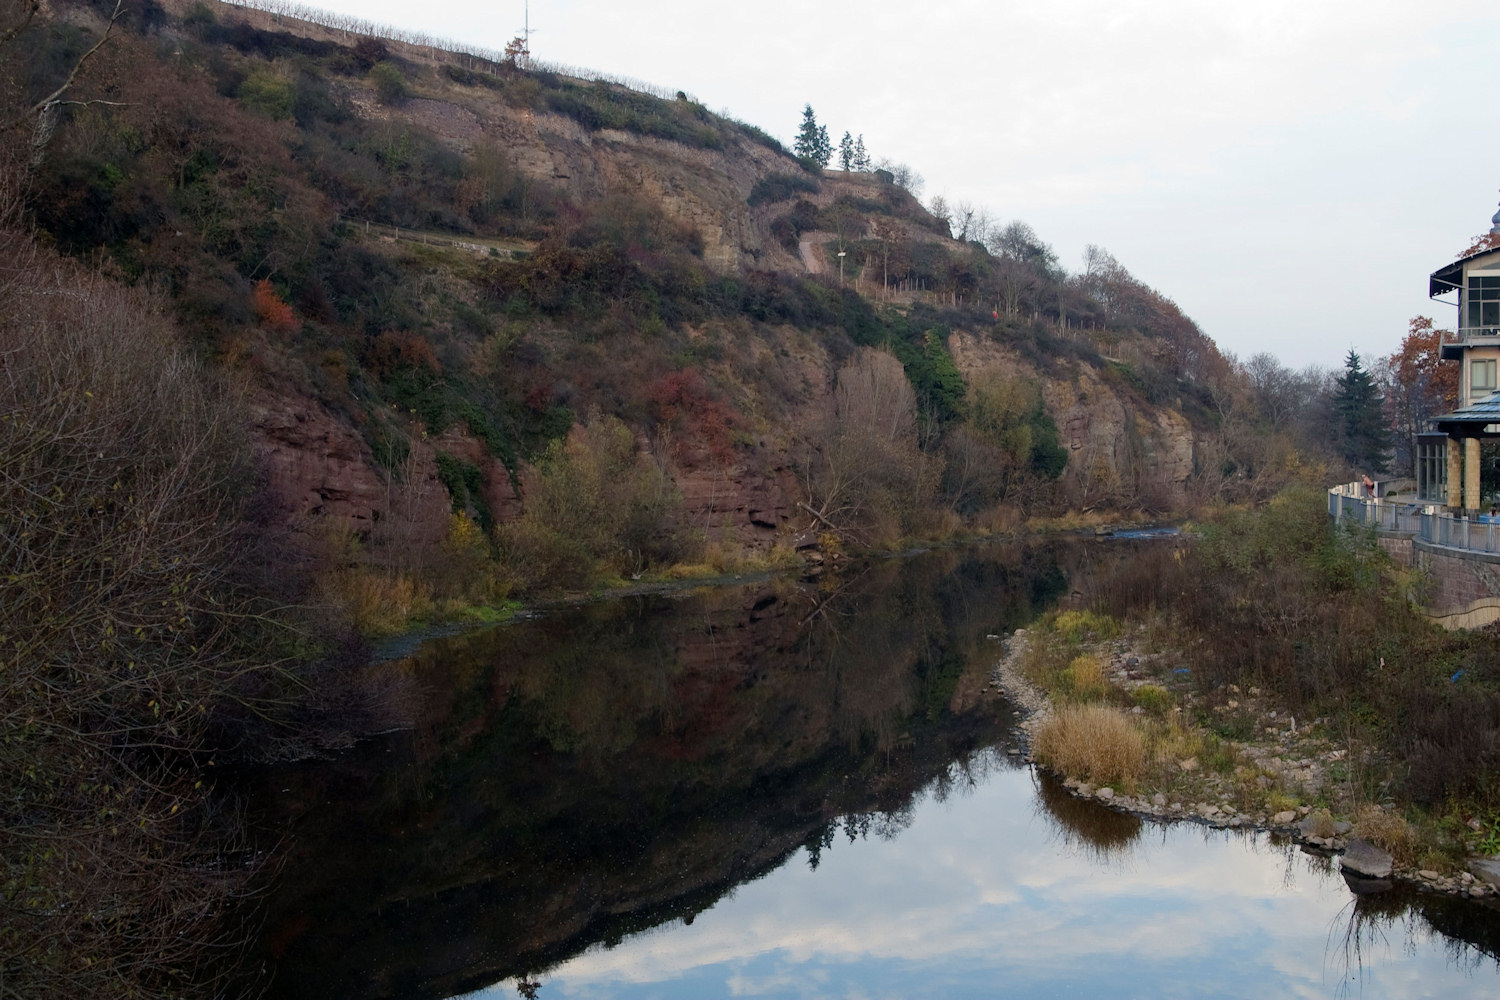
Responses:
[1450,276]
[1486,411]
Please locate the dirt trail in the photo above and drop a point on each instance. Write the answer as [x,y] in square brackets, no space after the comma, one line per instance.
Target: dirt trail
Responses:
[811,259]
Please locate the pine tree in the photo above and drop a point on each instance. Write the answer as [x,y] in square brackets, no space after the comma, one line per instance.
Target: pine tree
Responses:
[1363,436]
[846,152]
[806,145]
[861,158]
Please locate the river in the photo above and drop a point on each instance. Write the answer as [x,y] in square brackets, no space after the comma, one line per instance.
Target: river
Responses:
[788,789]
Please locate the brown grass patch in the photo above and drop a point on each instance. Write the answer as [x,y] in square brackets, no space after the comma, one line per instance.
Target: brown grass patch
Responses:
[1093,742]
[1387,830]
[378,602]
[1084,678]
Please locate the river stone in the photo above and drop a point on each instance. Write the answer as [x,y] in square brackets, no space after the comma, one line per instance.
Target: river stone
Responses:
[1158,800]
[1106,793]
[1364,858]
[1316,824]
[1428,875]
[1284,818]
[1342,827]
[1486,869]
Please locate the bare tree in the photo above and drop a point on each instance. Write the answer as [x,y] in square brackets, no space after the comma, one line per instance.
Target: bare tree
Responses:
[40,116]
[867,476]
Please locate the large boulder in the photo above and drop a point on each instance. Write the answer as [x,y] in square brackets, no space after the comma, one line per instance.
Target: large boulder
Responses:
[1364,858]
[1486,870]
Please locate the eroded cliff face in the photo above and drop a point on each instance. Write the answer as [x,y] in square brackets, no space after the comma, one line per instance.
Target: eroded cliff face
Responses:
[321,471]
[703,189]
[324,477]
[1118,447]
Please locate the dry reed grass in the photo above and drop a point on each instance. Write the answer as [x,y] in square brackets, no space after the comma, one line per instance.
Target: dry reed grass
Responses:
[1388,830]
[1084,678]
[1093,742]
[378,602]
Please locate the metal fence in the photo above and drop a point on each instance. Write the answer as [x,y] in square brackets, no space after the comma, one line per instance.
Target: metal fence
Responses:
[1349,504]
[1476,534]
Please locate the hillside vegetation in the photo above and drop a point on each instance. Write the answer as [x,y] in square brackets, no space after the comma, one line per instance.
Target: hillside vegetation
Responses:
[451,286]
[307,335]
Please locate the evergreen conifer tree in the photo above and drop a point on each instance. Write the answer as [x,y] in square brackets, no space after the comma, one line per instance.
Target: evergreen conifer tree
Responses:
[1363,436]
[806,144]
[861,158]
[846,151]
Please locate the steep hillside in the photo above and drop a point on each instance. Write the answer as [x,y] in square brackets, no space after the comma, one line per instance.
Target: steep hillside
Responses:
[611,330]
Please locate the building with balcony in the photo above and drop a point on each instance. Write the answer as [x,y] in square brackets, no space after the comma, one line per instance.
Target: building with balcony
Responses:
[1448,458]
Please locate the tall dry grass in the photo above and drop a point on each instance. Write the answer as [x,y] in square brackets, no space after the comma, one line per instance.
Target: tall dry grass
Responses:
[1097,743]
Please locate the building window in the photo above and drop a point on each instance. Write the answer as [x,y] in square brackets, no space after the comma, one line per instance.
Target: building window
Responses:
[1482,302]
[1481,377]
[1432,468]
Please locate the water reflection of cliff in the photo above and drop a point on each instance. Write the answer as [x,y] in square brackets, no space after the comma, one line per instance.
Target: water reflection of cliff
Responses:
[589,774]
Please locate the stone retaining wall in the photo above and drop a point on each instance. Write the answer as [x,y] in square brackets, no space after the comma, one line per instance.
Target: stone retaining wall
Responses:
[1459,578]
[1465,584]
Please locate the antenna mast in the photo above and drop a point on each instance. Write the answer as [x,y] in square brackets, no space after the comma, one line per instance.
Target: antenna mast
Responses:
[526,36]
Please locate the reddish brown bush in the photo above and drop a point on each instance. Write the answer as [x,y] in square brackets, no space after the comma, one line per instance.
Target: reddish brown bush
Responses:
[271,311]
[395,350]
[681,404]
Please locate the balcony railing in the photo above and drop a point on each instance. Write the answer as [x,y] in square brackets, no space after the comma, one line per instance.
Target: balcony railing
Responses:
[1473,336]
[1351,504]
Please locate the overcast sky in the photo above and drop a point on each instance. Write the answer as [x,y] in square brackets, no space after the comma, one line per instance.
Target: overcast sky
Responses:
[1288,171]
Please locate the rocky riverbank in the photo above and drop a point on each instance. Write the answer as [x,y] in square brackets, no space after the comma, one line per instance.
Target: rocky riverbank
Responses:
[1279,761]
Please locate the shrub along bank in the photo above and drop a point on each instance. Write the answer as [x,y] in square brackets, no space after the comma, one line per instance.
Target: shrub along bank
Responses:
[1278,667]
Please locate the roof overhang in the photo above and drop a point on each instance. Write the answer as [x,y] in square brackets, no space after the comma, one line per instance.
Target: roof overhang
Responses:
[1471,420]
[1451,276]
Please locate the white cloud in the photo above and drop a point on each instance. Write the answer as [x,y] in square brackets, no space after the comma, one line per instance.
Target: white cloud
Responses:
[979,889]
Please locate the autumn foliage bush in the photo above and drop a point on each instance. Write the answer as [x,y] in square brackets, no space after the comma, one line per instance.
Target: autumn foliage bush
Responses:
[596,507]
[686,414]
[271,310]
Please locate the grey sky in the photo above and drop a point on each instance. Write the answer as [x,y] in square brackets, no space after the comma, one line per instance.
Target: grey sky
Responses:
[1288,171]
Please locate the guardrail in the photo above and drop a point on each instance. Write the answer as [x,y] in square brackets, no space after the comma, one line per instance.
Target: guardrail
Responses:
[1351,504]
[1472,335]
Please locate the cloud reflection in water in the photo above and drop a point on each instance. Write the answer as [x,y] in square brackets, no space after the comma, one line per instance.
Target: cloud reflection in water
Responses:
[1010,889]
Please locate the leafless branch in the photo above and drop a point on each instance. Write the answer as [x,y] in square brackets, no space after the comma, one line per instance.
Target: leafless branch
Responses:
[55,98]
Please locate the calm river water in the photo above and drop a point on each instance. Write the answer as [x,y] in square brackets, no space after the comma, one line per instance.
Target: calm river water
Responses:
[790,789]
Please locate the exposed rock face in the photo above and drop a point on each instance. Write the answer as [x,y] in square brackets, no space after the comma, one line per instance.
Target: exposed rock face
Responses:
[315,465]
[321,476]
[1116,445]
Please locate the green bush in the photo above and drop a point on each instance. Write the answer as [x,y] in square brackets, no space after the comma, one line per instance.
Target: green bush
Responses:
[780,187]
[389,83]
[266,93]
[596,507]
